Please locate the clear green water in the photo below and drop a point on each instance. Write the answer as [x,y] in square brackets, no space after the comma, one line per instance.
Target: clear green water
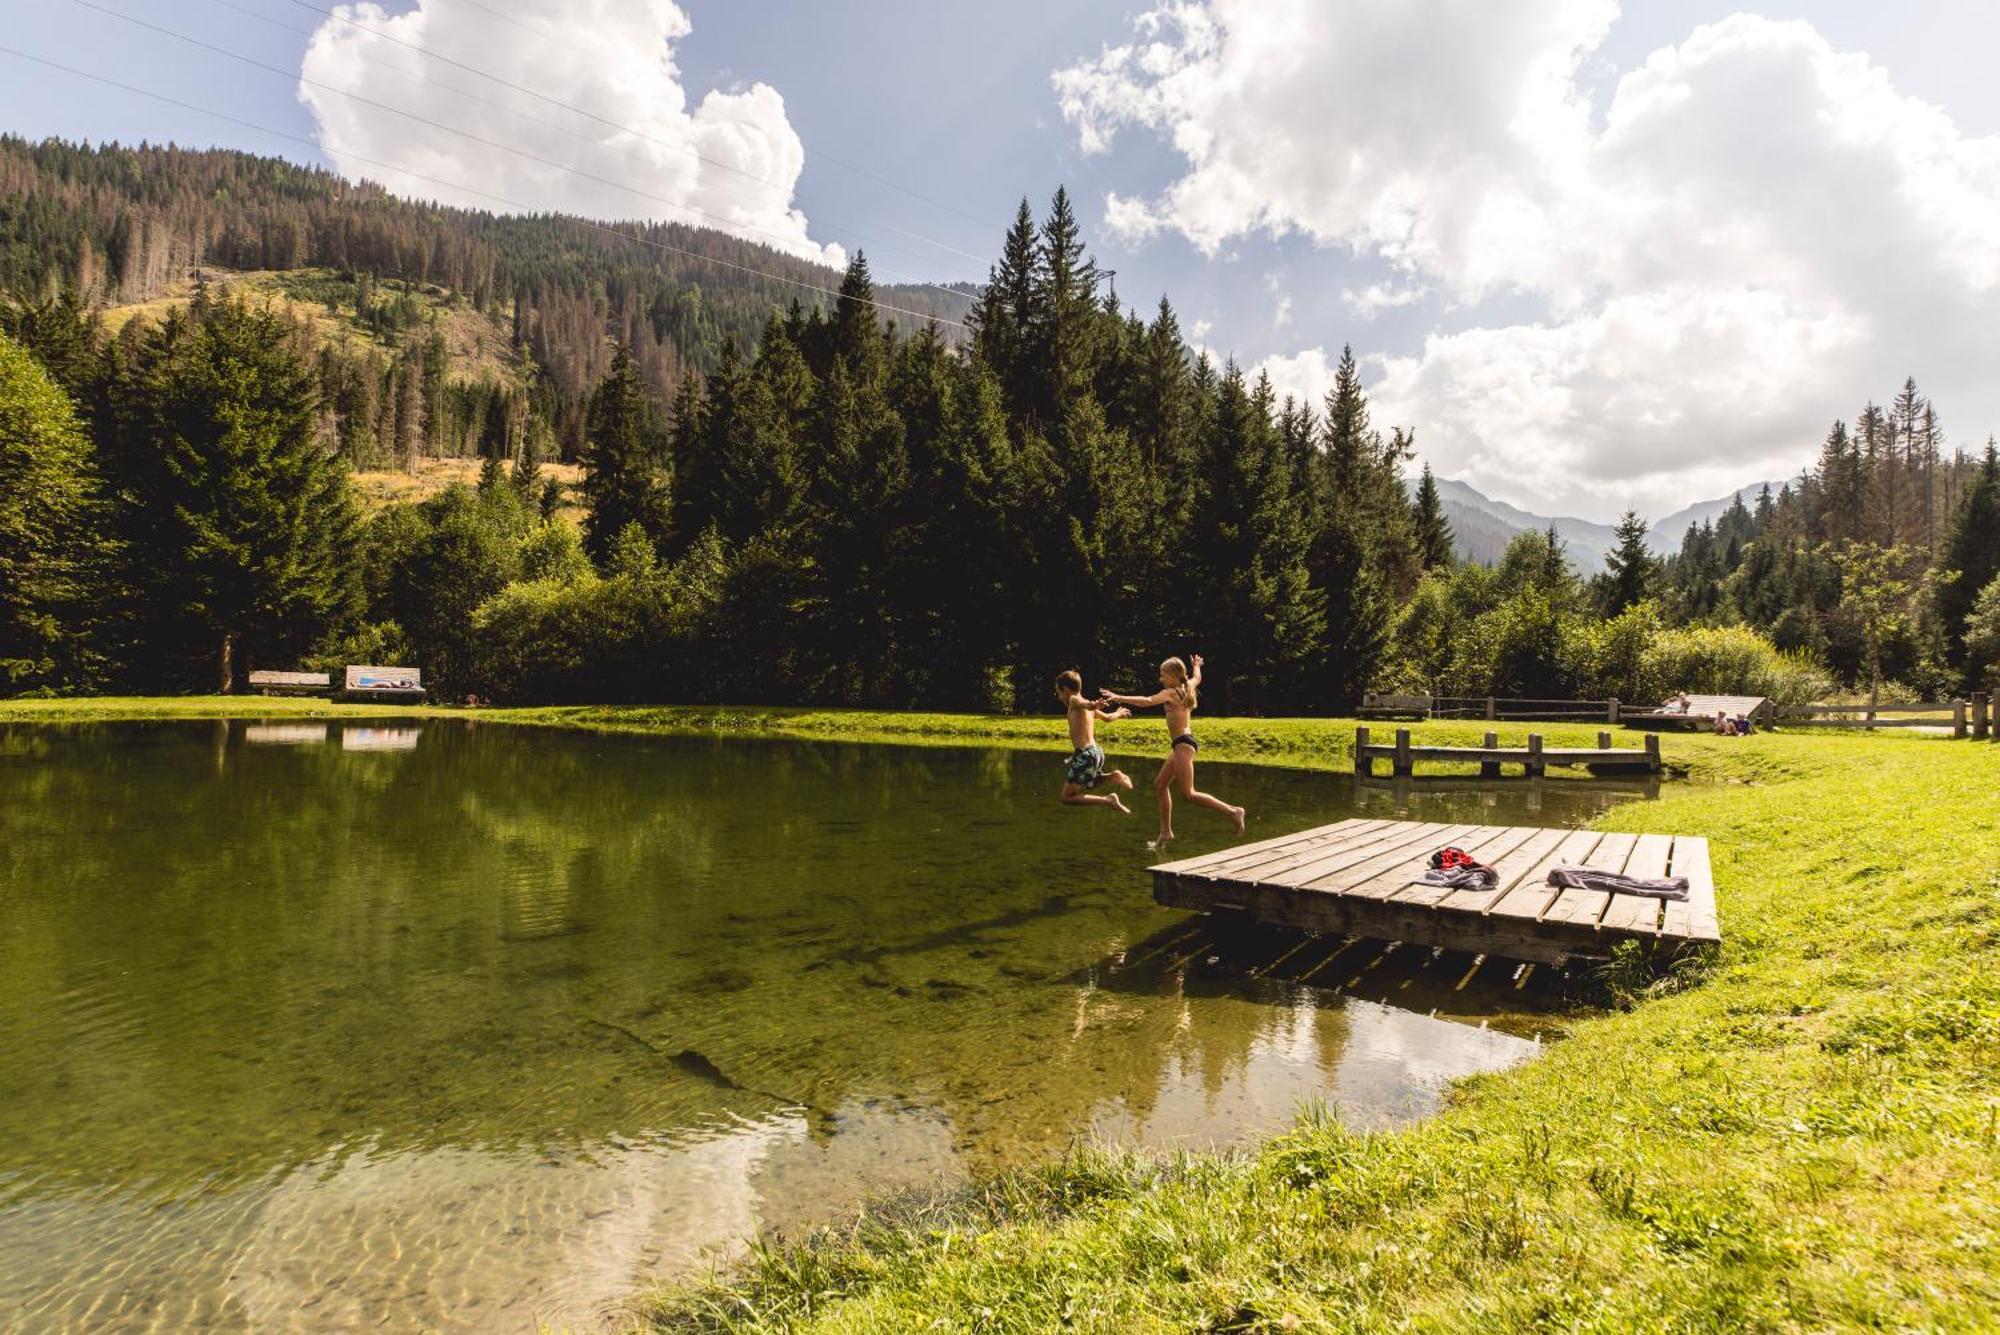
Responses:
[314,1028]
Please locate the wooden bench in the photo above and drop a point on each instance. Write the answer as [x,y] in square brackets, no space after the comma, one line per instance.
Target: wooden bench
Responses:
[1377,705]
[1701,712]
[292,683]
[1363,878]
[382,683]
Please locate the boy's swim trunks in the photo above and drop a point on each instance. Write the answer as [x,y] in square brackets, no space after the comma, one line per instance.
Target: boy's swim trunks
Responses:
[1086,767]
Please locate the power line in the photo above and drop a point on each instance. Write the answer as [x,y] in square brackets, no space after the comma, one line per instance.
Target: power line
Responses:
[418,47]
[288,75]
[923,316]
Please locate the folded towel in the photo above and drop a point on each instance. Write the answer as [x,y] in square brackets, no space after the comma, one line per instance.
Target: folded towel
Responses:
[1586,878]
[1465,876]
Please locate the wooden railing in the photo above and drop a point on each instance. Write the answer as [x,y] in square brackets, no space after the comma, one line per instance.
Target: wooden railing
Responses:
[1971,717]
[1500,708]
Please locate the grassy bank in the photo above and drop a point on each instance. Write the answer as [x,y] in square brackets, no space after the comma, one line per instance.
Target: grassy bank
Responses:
[1806,1138]
[1294,743]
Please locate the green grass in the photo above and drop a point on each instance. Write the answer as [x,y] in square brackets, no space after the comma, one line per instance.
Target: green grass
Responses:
[1802,1134]
[1804,1137]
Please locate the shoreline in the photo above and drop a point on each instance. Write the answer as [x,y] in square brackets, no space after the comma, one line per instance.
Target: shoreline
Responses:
[1798,1133]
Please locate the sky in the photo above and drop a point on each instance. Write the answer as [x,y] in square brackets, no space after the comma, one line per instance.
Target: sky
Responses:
[1597,256]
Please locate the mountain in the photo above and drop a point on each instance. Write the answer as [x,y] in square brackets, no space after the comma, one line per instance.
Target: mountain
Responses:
[1484,526]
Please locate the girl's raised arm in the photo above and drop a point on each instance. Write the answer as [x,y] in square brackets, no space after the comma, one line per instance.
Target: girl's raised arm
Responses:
[1136,701]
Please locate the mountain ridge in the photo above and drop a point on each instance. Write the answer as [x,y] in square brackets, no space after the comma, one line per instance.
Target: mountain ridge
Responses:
[1482,526]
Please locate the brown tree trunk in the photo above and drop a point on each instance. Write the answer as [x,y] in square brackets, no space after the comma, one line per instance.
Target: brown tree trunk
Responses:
[226,664]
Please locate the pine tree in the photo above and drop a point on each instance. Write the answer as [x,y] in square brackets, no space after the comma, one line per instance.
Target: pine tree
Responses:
[1006,308]
[623,482]
[1630,568]
[242,529]
[1347,430]
[52,547]
[1971,551]
[1434,536]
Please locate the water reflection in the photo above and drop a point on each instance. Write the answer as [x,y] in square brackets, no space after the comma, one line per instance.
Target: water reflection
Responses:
[294,1038]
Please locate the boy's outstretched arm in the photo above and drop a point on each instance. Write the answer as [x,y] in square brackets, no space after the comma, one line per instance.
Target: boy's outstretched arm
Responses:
[1136,701]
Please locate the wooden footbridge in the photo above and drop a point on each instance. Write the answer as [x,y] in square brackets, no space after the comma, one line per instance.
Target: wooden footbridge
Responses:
[1363,878]
[1534,758]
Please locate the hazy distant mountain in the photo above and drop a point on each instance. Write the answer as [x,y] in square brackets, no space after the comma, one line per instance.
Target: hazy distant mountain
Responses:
[1484,526]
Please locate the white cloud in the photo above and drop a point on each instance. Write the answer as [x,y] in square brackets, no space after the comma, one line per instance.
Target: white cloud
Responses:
[1757,230]
[732,161]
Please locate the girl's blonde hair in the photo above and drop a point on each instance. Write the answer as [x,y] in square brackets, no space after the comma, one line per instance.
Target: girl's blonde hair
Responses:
[1179,672]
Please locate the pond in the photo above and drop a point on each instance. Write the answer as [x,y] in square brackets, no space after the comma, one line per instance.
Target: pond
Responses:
[313,1026]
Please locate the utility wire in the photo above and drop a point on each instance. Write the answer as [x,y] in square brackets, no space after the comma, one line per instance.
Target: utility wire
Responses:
[289,75]
[339,17]
[515,205]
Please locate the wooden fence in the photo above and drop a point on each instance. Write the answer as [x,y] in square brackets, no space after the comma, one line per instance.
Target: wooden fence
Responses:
[1978,716]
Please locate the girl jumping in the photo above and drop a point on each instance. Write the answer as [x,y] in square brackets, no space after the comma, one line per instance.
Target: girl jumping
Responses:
[1177,695]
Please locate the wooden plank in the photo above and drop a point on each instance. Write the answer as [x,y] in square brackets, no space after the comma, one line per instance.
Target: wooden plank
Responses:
[1263,865]
[1513,868]
[1384,881]
[1239,850]
[1691,861]
[1530,894]
[1492,845]
[1640,913]
[1674,913]
[1587,906]
[1414,840]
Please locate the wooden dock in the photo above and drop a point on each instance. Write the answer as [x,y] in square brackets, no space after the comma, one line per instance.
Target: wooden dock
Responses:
[1361,878]
[1534,758]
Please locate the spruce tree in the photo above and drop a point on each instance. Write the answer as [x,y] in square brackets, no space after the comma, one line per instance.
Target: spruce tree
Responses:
[52,544]
[1971,551]
[1630,568]
[623,482]
[242,528]
[1434,535]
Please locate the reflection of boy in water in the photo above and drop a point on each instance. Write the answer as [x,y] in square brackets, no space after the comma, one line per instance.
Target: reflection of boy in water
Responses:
[1085,768]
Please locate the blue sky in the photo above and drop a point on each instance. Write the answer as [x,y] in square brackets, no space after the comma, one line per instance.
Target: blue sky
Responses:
[1541,360]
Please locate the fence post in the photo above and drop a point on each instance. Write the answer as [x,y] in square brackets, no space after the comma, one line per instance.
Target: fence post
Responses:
[1490,714]
[1534,768]
[1979,724]
[1611,711]
[1958,719]
[1363,764]
[1653,752]
[1490,769]
[1403,764]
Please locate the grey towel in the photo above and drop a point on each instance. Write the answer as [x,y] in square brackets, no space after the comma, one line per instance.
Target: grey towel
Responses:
[1462,878]
[1585,878]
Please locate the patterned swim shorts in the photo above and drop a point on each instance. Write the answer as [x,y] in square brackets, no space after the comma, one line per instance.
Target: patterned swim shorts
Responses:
[1086,767]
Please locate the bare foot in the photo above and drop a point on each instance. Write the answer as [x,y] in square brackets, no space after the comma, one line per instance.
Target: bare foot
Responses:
[1236,815]
[1123,780]
[1118,803]
[1161,841]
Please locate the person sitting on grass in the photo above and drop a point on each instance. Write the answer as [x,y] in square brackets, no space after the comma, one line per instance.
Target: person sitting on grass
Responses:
[1723,726]
[1085,768]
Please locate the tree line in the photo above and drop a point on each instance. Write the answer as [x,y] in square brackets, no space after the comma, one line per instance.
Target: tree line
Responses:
[851,512]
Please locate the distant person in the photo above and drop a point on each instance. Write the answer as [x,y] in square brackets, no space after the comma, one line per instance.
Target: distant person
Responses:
[1178,695]
[1085,768]
[1677,704]
[1742,725]
[1724,727]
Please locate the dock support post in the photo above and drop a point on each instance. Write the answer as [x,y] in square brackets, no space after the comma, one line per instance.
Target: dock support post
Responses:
[1364,764]
[1653,752]
[1535,769]
[1958,719]
[1604,741]
[1404,765]
[1490,769]
[1979,715]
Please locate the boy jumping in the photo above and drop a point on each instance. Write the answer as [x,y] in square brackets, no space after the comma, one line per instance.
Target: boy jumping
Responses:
[1086,766]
